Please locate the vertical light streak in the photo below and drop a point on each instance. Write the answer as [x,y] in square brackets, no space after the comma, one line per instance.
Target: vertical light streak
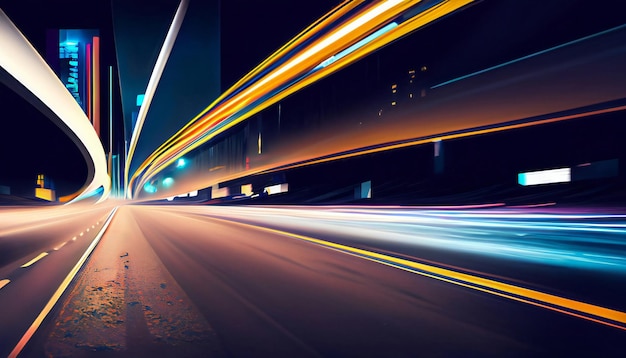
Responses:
[111,123]
[126,191]
[88,78]
[159,67]
[96,84]
[111,110]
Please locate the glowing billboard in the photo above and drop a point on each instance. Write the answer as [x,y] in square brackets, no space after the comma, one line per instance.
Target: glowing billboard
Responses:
[560,175]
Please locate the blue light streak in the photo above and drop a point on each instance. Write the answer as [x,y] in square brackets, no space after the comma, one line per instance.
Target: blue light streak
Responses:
[595,242]
[529,56]
[356,46]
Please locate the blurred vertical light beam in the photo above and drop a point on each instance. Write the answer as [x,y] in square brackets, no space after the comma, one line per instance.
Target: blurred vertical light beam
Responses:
[95,92]
[24,64]
[159,67]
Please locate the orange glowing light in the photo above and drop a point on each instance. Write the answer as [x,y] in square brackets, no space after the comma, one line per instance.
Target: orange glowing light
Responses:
[571,307]
[228,112]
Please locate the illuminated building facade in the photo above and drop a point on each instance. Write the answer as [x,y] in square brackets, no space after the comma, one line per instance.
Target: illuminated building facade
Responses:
[45,188]
[76,60]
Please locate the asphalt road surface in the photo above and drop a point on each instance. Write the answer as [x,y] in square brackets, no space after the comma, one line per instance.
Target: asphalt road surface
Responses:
[191,281]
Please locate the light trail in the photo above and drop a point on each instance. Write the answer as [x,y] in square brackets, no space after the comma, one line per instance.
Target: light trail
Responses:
[300,70]
[428,139]
[510,108]
[595,242]
[504,64]
[599,314]
[155,77]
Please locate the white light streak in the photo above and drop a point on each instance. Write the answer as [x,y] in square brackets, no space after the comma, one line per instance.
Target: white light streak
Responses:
[159,67]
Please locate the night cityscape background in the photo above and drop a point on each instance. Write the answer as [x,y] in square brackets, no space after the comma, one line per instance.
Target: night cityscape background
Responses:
[433,178]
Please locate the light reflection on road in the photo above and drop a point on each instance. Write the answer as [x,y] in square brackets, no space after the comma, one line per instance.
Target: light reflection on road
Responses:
[590,241]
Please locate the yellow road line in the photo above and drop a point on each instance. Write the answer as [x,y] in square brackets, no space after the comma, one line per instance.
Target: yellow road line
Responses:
[55,297]
[556,303]
[39,257]
[4,282]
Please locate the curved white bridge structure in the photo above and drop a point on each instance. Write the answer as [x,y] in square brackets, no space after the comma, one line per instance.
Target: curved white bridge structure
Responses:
[27,73]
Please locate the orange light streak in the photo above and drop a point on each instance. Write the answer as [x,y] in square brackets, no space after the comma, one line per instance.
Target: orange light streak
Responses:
[96,84]
[305,61]
[447,137]
[603,315]
[196,132]
[4,282]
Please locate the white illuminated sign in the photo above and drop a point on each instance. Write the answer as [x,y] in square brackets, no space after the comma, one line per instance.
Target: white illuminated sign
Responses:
[561,175]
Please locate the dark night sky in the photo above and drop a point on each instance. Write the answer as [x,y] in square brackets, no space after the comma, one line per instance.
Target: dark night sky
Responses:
[46,149]
[250,31]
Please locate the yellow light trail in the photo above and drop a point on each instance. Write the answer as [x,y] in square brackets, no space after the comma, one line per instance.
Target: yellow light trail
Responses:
[598,314]
[298,40]
[301,70]
[419,141]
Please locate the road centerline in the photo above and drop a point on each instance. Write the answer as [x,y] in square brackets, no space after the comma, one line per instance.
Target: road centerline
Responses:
[31,262]
[61,289]
[594,313]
